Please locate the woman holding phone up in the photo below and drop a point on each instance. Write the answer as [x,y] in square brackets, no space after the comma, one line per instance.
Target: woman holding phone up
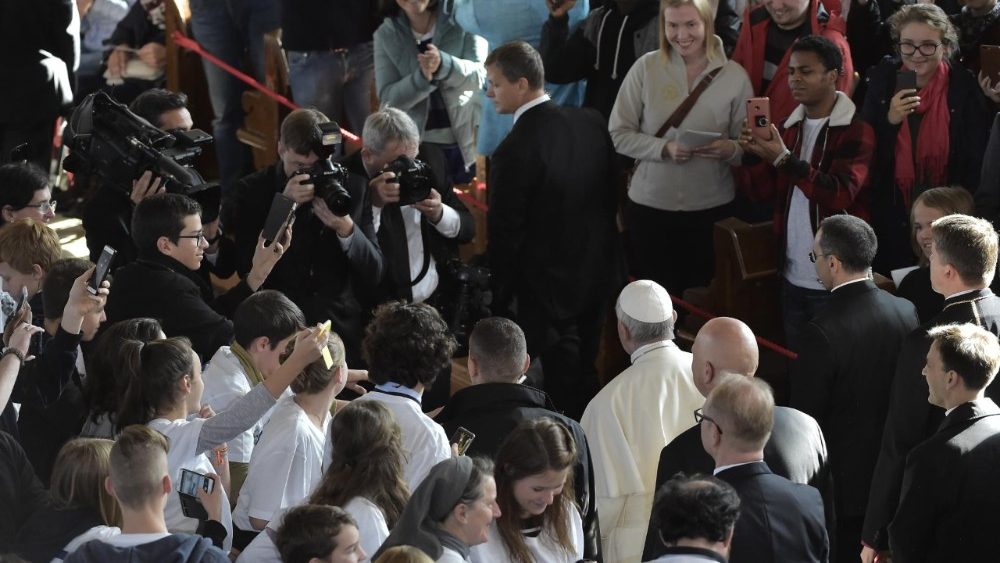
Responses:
[931,128]
[682,183]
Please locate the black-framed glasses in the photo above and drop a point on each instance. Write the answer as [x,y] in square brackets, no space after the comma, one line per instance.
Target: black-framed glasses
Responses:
[44,207]
[198,237]
[814,256]
[926,49]
[699,416]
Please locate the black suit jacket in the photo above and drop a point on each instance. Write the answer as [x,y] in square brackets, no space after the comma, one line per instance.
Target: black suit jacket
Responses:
[492,410]
[552,212]
[911,419]
[396,284]
[948,505]
[842,378]
[779,521]
[795,451]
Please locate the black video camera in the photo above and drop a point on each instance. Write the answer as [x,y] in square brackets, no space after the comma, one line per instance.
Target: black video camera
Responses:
[328,177]
[414,177]
[108,140]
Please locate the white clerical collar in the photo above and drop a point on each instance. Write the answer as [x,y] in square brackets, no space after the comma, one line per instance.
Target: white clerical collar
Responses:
[848,283]
[537,101]
[646,348]
[953,295]
[725,467]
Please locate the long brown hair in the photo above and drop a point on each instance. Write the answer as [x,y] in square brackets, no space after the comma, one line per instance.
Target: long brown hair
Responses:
[78,479]
[367,460]
[534,447]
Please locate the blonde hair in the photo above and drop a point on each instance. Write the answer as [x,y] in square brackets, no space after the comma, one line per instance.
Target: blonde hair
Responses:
[78,478]
[403,554]
[705,12]
[25,243]
[927,14]
[948,200]
[746,405]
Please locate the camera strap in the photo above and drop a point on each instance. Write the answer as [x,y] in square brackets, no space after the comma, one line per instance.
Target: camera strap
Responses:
[427,256]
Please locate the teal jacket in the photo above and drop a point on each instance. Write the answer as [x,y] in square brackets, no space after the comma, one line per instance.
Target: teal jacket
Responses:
[460,77]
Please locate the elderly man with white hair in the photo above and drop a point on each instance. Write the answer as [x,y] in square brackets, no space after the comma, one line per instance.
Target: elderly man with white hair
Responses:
[637,414]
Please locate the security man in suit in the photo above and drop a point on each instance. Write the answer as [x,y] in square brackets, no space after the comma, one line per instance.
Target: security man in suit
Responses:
[796,449]
[844,370]
[779,520]
[963,261]
[948,505]
[553,246]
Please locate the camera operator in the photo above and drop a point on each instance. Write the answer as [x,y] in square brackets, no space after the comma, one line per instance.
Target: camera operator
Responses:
[415,238]
[332,270]
[108,214]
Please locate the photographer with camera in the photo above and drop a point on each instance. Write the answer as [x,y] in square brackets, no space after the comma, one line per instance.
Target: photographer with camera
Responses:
[163,283]
[332,270]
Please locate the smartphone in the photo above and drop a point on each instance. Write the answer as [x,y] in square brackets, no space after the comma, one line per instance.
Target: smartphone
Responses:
[759,116]
[190,482]
[989,62]
[101,272]
[282,208]
[906,80]
[423,45]
[21,302]
[463,437]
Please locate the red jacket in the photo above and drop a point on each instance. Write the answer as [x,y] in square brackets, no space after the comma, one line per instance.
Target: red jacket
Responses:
[835,179]
[750,53]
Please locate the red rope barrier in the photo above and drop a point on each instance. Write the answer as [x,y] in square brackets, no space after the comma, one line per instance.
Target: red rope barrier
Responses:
[192,45]
[708,316]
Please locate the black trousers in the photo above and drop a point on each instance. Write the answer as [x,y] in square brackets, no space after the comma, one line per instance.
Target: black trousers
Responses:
[673,248]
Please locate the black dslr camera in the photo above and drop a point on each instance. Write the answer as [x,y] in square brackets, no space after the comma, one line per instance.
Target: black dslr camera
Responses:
[328,177]
[108,140]
[414,178]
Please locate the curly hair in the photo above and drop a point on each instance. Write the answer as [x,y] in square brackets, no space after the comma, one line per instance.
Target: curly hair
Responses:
[367,460]
[408,344]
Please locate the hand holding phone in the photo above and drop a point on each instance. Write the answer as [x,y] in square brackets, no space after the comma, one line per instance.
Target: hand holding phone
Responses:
[282,209]
[462,438]
[905,101]
[759,117]
[101,272]
[188,491]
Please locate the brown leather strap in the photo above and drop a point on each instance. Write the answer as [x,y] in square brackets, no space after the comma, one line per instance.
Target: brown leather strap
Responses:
[684,109]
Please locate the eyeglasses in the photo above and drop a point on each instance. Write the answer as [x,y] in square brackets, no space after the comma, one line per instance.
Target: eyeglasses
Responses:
[699,416]
[200,236]
[926,49]
[813,256]
[44,207]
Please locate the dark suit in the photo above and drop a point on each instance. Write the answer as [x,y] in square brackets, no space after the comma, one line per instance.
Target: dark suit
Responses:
[553,243]
[948,505]
[779,521]
[795,451]
[492,410]
[911,419]
[842,378]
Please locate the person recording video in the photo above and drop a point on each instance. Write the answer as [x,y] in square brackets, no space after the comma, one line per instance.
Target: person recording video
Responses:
[336,263]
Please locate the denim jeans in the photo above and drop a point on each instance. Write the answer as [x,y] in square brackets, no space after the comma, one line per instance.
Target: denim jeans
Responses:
[337,83]
[799,305]
[232,30]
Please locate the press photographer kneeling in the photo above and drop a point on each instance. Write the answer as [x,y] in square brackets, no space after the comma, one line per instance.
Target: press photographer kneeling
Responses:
[335,265]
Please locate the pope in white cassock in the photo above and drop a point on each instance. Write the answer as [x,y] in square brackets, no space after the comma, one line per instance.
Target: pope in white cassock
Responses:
[635,416]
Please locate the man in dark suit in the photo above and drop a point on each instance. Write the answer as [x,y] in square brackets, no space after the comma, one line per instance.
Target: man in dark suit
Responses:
[947,507]
[843,373]
[552,245]
[795,450]
[779,520]
[497,402]
[963,260]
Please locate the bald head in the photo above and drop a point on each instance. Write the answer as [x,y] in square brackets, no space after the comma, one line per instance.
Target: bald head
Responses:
[724,346]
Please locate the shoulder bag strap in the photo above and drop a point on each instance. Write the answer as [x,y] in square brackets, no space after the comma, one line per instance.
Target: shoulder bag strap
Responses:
[684,109]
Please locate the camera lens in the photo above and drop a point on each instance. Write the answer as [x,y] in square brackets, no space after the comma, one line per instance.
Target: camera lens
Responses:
[761,121]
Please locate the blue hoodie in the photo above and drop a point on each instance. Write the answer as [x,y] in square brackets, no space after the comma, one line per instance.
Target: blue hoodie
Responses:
[175,548]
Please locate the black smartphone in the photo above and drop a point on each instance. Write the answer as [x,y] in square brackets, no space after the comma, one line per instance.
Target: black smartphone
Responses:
[281,211]
[463,437]
[906,80]
[101,272]
[190,482]
[989,60]
[423,45]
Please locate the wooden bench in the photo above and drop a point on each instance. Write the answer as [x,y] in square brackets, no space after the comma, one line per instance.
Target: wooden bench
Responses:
[264,115]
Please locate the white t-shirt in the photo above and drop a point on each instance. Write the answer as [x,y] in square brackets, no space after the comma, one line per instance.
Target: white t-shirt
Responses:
[226,383]
[424,441]
[286,465]
[183,437]
[372,530]
[799,270]
[133,540]
[543,547]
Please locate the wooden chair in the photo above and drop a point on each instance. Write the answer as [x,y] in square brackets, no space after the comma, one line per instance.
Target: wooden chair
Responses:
[264,115]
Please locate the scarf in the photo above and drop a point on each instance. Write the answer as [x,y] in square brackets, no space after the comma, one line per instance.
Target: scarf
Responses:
[931,167]
[254,376]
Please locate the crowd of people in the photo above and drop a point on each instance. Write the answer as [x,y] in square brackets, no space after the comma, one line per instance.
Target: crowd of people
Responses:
[228,384]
